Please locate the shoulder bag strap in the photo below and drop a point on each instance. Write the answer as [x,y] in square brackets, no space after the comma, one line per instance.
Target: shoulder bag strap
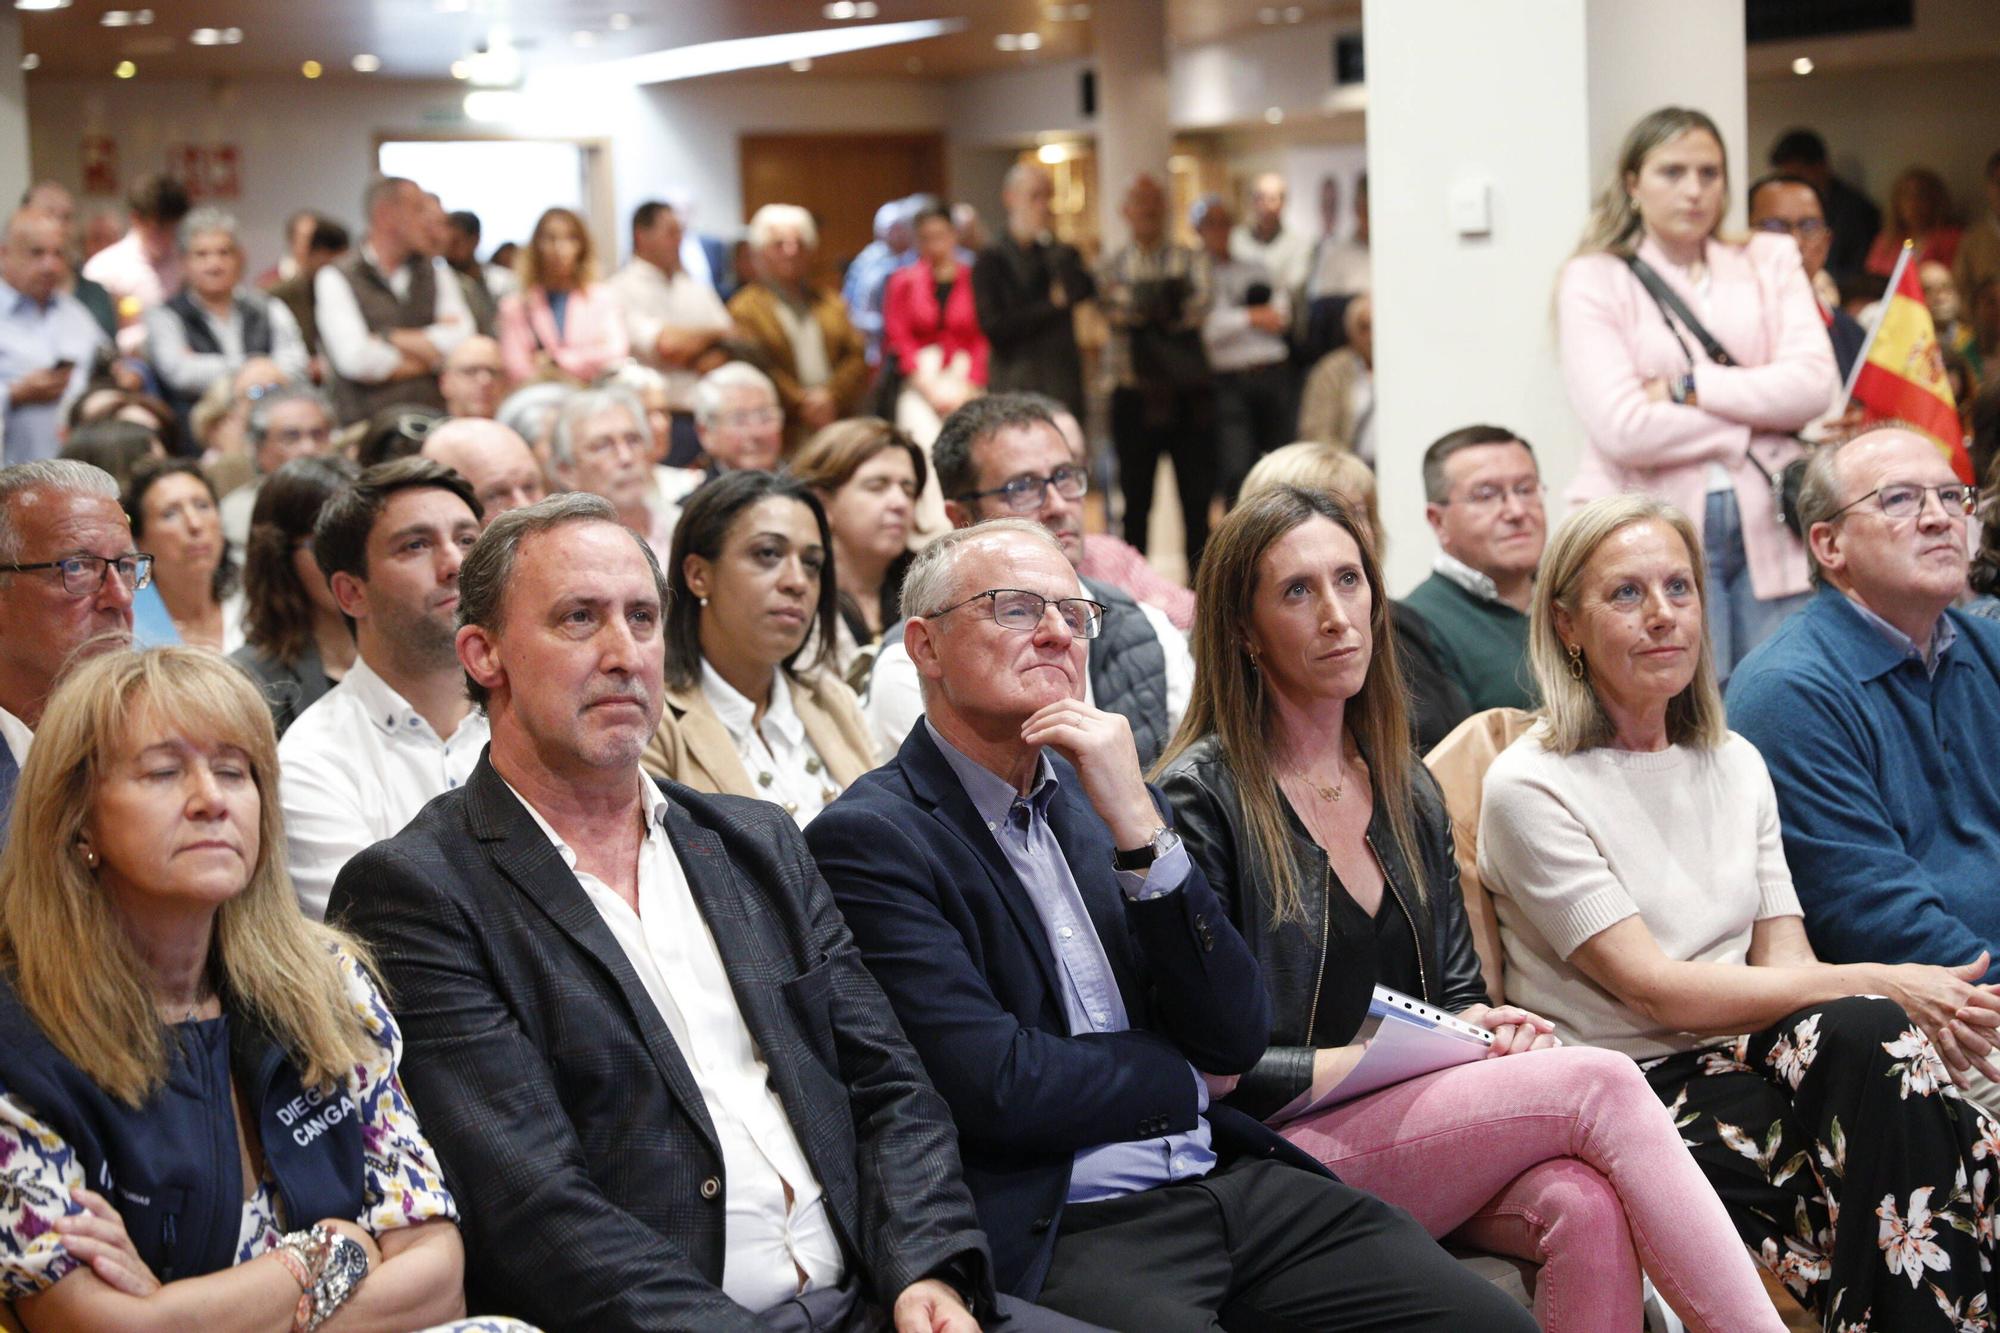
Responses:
[1672,308]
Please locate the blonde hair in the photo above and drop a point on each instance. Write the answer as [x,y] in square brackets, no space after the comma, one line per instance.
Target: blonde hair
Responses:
[1615,225]
[529,263]
[72,964]
[1312,466]
[1229,701]
[1574,716]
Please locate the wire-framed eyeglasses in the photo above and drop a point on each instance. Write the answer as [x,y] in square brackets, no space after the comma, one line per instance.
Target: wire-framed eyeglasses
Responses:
[84,575]
[1021,610]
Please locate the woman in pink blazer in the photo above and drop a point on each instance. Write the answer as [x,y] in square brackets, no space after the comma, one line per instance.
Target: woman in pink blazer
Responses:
[1660,414]
[562,323]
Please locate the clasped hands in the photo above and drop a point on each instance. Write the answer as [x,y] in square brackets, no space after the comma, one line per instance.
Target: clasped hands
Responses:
[1959,1015]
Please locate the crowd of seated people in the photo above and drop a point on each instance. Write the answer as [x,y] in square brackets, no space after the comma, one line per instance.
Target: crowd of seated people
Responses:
[537,800]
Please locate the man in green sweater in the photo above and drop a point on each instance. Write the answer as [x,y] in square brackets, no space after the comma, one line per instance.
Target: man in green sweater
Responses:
[1483,495]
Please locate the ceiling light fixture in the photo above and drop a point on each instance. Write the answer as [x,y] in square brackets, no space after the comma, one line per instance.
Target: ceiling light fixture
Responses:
[801,65]
[461,69]
[31,61]
[1007,41]
[1803,65]
[1049,154]
[366,63]
[215,36]
[866,9]
[1031,41]
[126,69]
[116,18]
[312,69]
[840,10]
[737,53]
[1294,14]
[38,5]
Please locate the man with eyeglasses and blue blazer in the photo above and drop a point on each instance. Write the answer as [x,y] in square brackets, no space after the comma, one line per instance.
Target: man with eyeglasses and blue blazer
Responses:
[67,575]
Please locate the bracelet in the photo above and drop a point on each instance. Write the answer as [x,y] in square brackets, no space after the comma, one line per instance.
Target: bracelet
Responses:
[342,1265]
[302,1253]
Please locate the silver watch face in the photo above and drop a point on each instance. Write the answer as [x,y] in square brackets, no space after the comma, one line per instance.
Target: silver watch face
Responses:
[1164,842]
[346,1265]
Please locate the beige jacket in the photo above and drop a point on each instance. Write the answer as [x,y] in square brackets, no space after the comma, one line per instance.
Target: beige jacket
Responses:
[693,748]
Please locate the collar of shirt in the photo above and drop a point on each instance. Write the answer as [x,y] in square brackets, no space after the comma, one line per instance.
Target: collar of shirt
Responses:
[12,300]
[992,795]
[1466,577]
[737,713]
[654,804]
[389,711]
[1943,636]
[15,735]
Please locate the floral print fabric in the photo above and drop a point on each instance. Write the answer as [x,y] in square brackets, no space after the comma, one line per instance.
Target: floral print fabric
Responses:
[1850,1165]
[402,1185]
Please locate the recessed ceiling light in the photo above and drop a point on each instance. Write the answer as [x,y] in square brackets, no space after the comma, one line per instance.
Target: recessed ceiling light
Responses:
[116,18]
[840,10]
[365,63]
[312,69]
[215,36]
[126,69]
[619,22]
[1803,65]
[41,4]
[1294,14]
[461,69]
[1274,115]
[31,61]
[1049,154]
[1007,41]
[801,65]
[866,9]
[1031,41]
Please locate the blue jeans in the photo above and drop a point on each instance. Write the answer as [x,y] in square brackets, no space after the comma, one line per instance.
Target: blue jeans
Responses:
[1737,620]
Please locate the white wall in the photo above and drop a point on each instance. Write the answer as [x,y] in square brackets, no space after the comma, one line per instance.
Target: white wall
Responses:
[13,116]
[312,145]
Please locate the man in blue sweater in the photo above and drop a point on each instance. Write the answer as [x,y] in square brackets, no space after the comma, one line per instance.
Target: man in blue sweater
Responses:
[1874,708]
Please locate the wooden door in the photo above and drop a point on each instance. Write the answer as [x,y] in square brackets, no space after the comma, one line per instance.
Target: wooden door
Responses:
[841,179]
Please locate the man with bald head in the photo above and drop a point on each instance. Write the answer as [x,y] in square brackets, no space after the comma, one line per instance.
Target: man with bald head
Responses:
[1873,707]
[54,198]
[1155,295]
[1286,253]
[474,379]
[47,338]
[498,463]
[1025,287]
[67,574]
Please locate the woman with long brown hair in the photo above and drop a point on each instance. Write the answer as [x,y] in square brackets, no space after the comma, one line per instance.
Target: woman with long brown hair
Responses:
[199,1107]
[297,644]
[563,323]
[1295,789]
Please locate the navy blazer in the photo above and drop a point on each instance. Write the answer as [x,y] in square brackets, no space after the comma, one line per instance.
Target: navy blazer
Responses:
[581,1150]
[950,932]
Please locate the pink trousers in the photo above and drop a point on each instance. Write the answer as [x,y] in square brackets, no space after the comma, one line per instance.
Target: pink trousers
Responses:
[1567,1159]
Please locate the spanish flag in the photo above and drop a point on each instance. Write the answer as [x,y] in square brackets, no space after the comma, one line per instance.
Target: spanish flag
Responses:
[1900,373]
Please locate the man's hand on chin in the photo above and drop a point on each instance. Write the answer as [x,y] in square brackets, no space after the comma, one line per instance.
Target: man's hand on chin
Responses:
[929,1306]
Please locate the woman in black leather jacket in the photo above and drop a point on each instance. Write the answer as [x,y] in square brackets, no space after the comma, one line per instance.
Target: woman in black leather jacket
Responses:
[1294,788]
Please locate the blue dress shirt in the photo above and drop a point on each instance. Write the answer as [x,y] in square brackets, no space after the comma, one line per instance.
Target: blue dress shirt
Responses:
[1091,1002]
[35,337]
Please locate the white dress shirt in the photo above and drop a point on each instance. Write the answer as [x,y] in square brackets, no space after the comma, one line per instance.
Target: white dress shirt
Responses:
[652,301]
[123,270]
[355,768]
[768,1240]
[778,755]
[14,734]
[1287,256]
[359,354]
[895,700]
[1342,268]
[191,372]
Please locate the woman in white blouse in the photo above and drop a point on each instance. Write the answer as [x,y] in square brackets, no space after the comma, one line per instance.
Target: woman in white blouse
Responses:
[750,710]
[1632,846]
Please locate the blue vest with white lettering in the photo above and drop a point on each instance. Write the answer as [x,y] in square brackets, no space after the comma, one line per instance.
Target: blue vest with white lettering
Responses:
[172,1168]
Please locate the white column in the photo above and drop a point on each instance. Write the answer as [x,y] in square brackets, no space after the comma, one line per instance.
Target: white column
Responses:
[13,116]
[1134,128]
[1524,102]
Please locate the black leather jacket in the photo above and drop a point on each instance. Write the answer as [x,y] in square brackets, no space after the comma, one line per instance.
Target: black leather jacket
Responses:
[1310,960]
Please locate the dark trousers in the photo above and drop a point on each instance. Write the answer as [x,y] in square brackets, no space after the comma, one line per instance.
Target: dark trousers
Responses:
[842,1310]
[1262,1246]
[1178,421]
[1847,1164]
[1253,416]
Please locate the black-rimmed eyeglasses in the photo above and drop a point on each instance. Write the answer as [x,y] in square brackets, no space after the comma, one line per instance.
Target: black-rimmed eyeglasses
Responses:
[84,575]
[1024,495]
[1021,610]
[1906,500]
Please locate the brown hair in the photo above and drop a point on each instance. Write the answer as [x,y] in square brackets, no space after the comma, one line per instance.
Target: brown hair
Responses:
[528,263]
[1615,225]
[1229,702]
[74,968]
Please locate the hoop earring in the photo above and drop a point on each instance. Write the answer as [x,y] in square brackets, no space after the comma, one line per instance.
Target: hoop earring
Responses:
[1576,661]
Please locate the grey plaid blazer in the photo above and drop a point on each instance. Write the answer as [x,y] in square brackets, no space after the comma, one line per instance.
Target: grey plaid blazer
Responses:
[570,1128]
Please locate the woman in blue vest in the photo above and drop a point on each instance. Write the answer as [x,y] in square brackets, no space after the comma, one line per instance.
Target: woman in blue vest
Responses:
[201,1124]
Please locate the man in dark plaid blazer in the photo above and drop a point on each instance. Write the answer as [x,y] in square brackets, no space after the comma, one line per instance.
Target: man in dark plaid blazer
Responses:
[572,1069]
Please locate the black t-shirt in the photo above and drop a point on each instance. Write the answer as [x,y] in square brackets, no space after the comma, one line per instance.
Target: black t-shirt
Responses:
[1396,948]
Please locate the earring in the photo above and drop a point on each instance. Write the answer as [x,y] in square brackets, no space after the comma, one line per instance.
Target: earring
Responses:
[90,857]
[1576,661]
[702,600]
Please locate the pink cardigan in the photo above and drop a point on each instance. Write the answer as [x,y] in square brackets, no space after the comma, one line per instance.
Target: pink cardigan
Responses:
[593,339]
[1760,307]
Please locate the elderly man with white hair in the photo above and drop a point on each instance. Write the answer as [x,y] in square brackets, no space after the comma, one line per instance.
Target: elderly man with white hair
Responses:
[603,446]
[867,277]
[213,324]
[799,331]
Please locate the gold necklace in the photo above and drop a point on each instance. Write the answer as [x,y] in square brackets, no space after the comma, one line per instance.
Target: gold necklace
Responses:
[1331,795]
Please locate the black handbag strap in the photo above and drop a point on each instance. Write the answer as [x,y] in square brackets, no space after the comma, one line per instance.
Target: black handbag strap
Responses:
[1672,308]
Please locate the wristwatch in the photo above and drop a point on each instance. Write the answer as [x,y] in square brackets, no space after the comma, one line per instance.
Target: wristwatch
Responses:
[1681,387]
[1163,841]
[340,1272]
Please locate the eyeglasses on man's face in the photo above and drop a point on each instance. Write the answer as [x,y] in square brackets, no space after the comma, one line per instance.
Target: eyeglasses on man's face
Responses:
[1024,495]
[1489,494]
[84,575]
[1904,499]
[1020,610]
[1805,229]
